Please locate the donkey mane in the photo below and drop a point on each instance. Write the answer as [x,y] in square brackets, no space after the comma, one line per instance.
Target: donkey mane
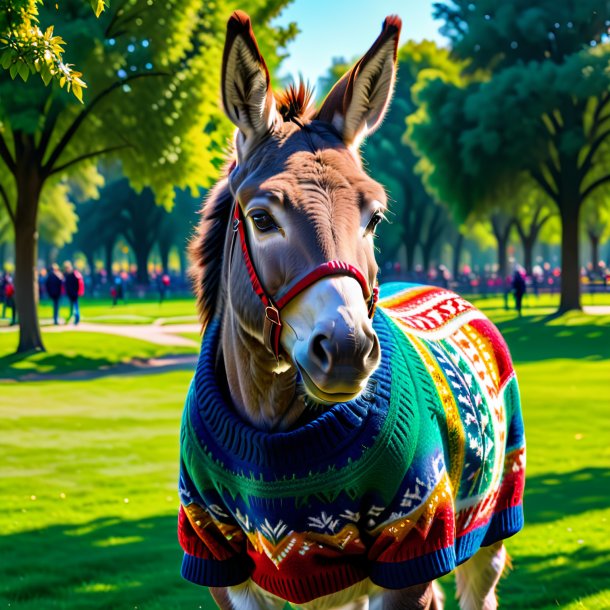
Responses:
[206,248]
[295,101]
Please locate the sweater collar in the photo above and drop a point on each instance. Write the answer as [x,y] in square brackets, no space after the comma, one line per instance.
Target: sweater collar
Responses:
[345,428]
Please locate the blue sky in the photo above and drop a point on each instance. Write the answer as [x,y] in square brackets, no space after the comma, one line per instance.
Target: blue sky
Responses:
[346,28]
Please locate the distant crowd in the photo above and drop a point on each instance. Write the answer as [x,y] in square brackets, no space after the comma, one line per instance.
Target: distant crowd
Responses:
[486,281]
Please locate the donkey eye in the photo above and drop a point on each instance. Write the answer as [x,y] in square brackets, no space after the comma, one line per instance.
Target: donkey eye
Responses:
[376,218]
[263,221]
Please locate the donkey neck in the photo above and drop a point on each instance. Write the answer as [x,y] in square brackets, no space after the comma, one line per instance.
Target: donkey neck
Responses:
[268,399]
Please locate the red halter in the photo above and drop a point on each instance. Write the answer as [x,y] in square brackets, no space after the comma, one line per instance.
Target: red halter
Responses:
[273,321]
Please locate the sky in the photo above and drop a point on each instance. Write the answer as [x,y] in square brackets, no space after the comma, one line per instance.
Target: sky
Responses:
[347,28]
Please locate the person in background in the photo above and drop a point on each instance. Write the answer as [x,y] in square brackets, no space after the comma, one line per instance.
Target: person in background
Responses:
[9,298]
[75,288]
[519,288]
[53,286]
[163,282]
[3,281]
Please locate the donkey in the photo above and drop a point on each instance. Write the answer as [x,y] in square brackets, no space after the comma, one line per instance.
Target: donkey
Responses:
[342,446]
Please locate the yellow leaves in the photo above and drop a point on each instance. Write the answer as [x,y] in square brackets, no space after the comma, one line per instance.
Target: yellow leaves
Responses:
[25,49]
[98,6]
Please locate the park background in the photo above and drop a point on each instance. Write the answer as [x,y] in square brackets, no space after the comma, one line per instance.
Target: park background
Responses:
[496,156]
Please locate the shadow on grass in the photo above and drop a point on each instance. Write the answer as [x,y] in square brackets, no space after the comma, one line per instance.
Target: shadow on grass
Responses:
[80,368]
[19,366]
[550,497]
[549,580]
[106,563]
[533,338]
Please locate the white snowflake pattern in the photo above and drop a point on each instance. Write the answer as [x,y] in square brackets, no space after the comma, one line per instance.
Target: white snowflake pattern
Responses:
[244,520]
[348,515]
[184,492]
[274,532]
[415,496]
[217,510]
[324,522]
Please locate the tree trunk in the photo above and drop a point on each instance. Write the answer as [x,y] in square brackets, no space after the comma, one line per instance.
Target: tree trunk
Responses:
[410,246]
[90,256]
[457,253]
[502,256]
[26,247]
[570,267]
[528,254]
[183,262]
[164,249]
[594,239]
[142,253]
[108,248]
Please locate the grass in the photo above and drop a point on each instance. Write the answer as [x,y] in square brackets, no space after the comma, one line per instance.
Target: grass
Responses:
[77,352]
[88,495]
[88,478]
[141,311]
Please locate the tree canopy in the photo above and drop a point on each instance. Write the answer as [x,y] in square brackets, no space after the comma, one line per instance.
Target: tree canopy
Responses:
[152,70]
[537,100]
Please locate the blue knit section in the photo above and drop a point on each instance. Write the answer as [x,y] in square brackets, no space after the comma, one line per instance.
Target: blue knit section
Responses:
[337,436]
[504,525]
[413,571]
[213,573]
[389,289]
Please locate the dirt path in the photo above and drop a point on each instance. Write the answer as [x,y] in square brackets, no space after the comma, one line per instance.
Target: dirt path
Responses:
[160,335]
[597,310]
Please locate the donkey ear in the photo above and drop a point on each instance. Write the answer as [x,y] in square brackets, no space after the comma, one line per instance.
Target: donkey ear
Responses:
[246,92]
[357,103]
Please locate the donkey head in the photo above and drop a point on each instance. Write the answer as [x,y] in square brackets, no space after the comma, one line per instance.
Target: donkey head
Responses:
[303,199]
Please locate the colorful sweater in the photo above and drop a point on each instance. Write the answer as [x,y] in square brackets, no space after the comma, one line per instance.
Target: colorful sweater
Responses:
[399,485]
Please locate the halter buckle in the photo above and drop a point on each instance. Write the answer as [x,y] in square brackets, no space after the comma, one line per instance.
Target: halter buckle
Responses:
[235,224]
[272,314]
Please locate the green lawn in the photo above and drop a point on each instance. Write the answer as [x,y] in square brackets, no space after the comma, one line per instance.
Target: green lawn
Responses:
[137,311]
[88,477]
[78,352]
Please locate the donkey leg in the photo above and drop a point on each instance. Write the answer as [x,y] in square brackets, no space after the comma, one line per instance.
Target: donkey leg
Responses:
[427,596]
[476,579]
[246,596]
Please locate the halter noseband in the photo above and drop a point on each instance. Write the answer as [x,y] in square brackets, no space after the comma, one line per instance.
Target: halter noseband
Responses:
[273,322]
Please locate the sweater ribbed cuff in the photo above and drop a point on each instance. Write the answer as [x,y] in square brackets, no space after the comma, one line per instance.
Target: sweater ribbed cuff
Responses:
[413,571]
[214,573]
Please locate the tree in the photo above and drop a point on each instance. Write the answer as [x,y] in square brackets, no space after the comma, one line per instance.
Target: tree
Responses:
[25,49]
[152,71]
[420,218]
[501,224]
[538,102]
[532,212]
[177,226]
[416,217]
[597,227]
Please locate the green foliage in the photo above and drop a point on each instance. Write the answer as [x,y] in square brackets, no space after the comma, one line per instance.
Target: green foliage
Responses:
[417,218]
[26,49]
[57,217]
[528,117]
[494,35]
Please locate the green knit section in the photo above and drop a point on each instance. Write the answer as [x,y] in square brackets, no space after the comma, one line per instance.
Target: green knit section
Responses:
[381,466]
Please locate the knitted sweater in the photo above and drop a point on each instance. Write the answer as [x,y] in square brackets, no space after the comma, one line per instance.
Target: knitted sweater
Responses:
[399,485]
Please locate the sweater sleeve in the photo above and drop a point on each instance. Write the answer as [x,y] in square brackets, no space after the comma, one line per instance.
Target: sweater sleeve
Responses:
[214,550]
[209,559]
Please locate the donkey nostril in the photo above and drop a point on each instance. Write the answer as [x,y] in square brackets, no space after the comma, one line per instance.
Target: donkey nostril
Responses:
[320,352]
